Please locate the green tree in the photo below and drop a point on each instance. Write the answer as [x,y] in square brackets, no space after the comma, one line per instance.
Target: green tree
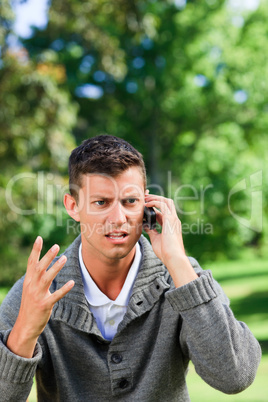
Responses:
[184,82]
[36,119]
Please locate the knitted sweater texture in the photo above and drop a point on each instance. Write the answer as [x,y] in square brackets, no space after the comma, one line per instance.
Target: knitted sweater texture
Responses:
[147,360]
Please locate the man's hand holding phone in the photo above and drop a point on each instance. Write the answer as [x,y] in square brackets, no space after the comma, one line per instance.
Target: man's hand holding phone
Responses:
[37,302]
[168,244]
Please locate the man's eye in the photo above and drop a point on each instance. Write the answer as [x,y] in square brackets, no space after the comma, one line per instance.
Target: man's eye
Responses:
[131,200]
[100,203]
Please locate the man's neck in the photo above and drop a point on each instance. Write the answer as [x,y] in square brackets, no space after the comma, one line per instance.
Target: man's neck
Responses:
[109,275]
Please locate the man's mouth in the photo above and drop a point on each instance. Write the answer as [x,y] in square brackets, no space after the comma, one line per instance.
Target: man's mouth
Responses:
[117,235]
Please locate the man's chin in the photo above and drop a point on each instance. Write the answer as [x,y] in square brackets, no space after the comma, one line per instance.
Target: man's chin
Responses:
[120,251]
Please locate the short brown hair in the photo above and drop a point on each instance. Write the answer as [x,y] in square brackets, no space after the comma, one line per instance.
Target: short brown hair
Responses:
[103,154]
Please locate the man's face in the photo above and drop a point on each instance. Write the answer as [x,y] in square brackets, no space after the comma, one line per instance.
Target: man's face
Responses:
[111,213]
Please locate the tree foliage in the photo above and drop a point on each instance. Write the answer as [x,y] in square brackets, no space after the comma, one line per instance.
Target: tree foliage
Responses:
[184,82]
[36,119]
[185,85]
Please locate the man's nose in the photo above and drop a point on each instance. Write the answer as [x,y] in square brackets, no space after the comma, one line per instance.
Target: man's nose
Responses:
[117,214]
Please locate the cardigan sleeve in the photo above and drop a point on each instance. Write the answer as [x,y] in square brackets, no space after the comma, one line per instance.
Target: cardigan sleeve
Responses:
[223,350]
[16,373]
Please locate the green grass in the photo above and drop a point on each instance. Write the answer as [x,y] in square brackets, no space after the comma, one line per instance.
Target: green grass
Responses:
[246,284]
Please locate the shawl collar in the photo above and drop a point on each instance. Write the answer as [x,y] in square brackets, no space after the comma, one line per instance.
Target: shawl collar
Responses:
[152,280]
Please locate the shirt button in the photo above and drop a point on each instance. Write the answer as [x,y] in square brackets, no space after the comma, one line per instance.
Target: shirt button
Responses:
[112,322]
[123,383]
[116,358]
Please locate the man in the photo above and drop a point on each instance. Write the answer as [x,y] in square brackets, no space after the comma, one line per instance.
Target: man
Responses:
[115,318]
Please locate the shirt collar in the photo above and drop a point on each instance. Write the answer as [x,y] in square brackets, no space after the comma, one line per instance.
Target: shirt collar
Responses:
[94,295]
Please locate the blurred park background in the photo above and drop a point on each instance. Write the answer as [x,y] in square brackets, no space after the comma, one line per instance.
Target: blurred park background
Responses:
[186,82]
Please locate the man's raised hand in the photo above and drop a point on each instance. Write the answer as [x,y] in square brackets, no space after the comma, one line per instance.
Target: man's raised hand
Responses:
[37,301]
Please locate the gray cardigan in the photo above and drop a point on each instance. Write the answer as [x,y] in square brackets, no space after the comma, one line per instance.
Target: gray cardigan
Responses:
[147,360]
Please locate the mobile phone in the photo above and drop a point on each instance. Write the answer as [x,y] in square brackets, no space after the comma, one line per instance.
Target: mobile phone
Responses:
[149,218]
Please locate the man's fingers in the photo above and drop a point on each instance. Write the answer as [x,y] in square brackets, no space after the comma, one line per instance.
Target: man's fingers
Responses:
[55,269]
[47,258]
[35,253]
[162,206]
[60,293]
[167,201]
[159,217]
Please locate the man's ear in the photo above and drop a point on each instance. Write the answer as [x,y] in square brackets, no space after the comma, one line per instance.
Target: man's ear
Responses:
[71,207]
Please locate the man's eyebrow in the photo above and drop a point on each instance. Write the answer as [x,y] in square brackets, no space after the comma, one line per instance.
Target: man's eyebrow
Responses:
[100,196]
[131,195]
[104,197]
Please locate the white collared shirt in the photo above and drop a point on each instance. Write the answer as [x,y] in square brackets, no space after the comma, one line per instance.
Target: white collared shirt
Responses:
[109,313]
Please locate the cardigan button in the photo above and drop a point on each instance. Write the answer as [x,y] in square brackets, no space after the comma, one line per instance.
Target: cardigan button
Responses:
[116,358]
[123,383]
